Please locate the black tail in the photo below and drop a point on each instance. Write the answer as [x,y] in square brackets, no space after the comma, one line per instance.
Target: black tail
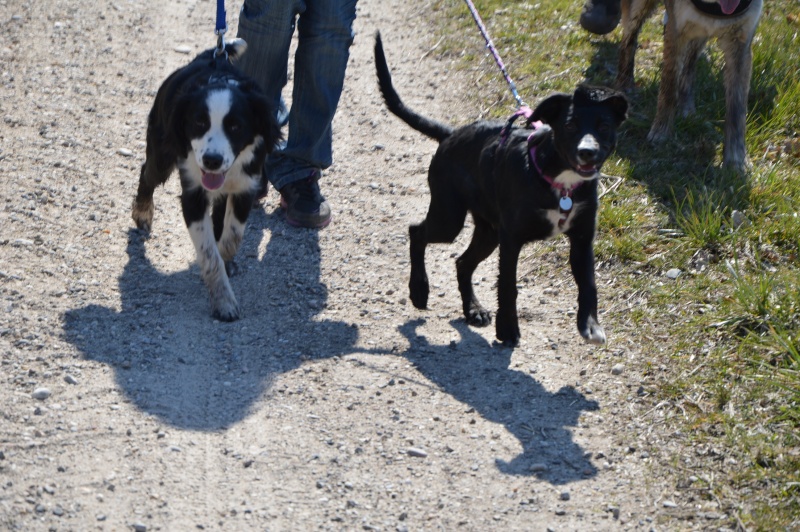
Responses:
[426,126]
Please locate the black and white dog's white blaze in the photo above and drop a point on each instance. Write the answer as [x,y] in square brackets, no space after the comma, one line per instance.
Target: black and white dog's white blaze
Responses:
[216,127]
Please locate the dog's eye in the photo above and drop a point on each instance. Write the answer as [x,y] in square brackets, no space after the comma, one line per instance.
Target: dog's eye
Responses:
[603,127]
[571,127]
[201,122]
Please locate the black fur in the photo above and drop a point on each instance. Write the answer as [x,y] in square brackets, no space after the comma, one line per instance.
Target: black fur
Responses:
[224,174]
[511,204]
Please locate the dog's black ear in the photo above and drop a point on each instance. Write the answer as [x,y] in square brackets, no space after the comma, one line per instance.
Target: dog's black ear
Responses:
[265,120]
[175,138]
[552,106]
[619,104]
[539,134]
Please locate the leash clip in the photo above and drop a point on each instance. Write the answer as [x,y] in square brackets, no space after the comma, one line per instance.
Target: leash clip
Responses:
[220,49]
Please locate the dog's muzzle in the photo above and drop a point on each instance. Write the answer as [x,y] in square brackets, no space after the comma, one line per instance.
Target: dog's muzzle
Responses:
[587,157]
[212,178]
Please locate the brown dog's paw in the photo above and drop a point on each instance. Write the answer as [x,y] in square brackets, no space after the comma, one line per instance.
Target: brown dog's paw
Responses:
[658,133]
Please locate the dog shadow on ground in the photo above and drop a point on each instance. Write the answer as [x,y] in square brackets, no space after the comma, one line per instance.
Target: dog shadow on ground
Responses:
[477,374]
[173,361]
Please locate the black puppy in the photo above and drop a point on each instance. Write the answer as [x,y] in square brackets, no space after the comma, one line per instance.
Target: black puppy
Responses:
[519,186]
[216,127]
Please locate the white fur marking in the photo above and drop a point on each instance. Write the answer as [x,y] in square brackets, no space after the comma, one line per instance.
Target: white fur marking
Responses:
[212,269]
[570,178]
[215,140]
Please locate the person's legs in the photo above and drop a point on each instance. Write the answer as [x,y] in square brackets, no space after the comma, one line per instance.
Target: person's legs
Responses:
[325,31]
[267,26]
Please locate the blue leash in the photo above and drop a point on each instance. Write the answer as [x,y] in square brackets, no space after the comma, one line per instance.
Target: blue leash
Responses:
[220,28]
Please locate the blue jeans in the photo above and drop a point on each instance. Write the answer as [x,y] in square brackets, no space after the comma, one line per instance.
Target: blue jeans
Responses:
[325,33]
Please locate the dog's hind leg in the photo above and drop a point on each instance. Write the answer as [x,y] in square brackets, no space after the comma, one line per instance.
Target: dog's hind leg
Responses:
[156,169]
[418,282]
[688,68]
[212,267]
[738,70]
[634,13]
[484,241]
[444,221]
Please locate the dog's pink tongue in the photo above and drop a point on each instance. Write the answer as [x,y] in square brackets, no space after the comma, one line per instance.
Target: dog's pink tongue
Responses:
[728,6]
[213,181]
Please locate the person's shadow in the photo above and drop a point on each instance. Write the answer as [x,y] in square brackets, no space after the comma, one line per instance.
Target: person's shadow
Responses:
[476,373]
[173,361]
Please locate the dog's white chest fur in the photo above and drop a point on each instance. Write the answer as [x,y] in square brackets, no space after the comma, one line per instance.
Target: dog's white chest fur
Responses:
[562,221]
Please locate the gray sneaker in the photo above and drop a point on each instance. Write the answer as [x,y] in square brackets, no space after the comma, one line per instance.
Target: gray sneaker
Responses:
[304,204]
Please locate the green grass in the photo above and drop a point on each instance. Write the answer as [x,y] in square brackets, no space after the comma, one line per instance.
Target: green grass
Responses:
[728,329]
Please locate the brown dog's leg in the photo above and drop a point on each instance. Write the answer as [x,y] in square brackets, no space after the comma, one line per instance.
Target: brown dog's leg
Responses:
[738,70]
[634,13]
[484,241]
[686,76]
[668,90]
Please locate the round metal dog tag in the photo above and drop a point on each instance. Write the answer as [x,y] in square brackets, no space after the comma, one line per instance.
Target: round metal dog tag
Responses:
[565,204]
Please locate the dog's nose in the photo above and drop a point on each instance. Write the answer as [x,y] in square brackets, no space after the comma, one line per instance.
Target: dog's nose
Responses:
[588,149]
[212,161]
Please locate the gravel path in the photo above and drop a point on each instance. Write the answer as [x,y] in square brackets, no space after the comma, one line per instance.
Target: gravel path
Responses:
[333,403]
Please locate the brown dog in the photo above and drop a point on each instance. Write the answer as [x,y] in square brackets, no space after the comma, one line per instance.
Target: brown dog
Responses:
[690,23]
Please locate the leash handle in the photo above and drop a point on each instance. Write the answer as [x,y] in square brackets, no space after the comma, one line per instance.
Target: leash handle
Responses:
[490,45]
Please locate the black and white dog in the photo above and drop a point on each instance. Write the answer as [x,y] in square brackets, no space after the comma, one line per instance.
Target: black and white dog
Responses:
[216,127]
[519,186]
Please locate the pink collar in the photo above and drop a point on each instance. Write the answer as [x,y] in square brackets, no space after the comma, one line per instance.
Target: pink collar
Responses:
[565,203]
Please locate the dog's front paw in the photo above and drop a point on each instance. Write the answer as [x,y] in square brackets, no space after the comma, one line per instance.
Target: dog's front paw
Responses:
[592,332]
[738,163]
[225,308]
[226,314]
[658,133]
[508,334]
[478,316]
